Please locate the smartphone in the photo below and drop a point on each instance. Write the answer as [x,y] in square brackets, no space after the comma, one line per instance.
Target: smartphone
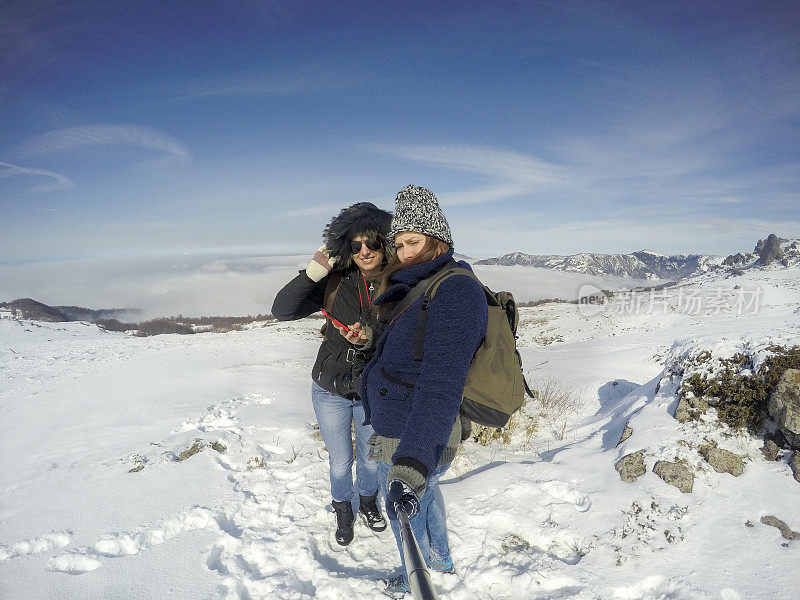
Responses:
[339,323]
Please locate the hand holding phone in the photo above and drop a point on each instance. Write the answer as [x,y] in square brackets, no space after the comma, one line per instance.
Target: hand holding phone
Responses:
[335,322]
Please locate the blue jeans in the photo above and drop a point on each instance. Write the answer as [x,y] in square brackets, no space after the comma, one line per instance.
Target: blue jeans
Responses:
[335,415]
[430,523]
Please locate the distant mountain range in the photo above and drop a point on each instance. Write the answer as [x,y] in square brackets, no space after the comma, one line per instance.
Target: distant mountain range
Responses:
[646,264]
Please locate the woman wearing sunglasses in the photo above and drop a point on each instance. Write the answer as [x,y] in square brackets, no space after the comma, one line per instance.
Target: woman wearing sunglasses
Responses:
[340,279]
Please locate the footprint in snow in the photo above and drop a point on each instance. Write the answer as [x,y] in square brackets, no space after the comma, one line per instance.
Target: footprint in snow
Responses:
[567,493]
[38,545]
[126,544]
[74,564]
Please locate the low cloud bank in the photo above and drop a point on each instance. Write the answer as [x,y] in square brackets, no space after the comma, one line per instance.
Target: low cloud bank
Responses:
[166,286]
[227,285]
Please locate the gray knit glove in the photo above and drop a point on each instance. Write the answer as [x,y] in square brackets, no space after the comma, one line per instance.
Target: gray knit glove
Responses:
[320,265]
[405,487]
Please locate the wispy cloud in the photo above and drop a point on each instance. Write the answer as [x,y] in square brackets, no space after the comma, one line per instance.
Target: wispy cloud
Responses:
[523,169]
[514,173]
[266,84]
[73,138]
[58,181]
[483,195]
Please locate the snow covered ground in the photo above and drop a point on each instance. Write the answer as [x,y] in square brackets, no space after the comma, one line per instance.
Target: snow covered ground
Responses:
[103,496]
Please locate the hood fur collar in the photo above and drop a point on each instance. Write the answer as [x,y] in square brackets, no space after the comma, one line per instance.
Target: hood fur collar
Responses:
[363,218]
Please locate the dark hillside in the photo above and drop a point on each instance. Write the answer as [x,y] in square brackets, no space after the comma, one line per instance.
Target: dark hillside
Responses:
[35,311]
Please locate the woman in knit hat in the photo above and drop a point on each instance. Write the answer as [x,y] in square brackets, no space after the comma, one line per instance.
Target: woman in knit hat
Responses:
[342,278]
[413,402]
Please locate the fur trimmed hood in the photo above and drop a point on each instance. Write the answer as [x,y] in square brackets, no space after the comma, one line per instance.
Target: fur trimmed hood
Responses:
[363,218]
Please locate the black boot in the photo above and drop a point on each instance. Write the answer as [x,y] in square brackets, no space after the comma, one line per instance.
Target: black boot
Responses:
[344,522]
[368,509]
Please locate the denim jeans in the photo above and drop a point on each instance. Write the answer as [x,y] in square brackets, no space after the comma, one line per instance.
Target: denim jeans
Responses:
[430,523]
[335,415]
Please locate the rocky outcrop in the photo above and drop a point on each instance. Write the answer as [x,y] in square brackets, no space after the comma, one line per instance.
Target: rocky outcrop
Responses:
[737,259]
[676,474]
[769,250]
[784,406]
[631,466]
[723,461]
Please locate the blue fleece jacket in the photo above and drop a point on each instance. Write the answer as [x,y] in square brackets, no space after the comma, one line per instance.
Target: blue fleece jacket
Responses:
[418,401]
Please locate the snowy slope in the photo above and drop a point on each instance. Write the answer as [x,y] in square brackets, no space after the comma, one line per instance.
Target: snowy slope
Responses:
[545,516]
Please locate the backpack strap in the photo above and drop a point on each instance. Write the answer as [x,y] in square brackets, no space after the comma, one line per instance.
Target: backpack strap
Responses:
[417,291]
[419,346]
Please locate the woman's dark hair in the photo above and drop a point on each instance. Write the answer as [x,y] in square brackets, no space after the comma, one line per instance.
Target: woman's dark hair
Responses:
[363,218]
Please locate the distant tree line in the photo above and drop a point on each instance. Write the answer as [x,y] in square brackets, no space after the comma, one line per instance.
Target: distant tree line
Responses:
[181,325]
[530,303]
[81,313]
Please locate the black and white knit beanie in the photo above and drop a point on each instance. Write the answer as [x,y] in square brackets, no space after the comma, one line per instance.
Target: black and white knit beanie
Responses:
[417,209]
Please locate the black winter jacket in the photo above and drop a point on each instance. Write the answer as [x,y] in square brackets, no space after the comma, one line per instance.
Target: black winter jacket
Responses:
[339,364]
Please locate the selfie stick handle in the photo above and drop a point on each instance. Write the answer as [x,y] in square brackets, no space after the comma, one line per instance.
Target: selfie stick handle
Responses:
[418,576]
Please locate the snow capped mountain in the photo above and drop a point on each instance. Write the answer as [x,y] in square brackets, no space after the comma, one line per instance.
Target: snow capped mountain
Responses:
[646,264]
[639,265]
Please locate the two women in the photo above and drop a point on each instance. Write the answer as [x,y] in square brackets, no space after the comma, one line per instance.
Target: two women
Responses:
[413,398]
[341,280]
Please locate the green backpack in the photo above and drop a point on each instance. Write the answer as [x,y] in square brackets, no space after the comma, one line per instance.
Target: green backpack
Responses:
[495,386]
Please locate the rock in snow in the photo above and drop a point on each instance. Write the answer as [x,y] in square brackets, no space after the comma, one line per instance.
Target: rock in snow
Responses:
[675,473]
[794,463]
[631,466]
[723,461]
[784,406]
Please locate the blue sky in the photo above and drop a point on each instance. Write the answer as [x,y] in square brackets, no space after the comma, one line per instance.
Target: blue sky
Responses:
[132,129]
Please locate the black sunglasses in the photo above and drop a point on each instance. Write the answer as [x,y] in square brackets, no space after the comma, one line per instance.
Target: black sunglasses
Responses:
[374,245]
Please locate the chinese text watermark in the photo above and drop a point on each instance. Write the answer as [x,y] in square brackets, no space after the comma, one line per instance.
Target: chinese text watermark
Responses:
[742,301]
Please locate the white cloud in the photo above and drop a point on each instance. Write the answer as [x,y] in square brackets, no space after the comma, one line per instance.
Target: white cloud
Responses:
[482,195]
[522,170]
[58,181]
[64,140]
[158,286]
[514,173]
[267,84]
[196,286]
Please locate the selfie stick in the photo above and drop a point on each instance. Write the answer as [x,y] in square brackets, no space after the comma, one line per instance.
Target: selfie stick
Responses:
[418,577]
